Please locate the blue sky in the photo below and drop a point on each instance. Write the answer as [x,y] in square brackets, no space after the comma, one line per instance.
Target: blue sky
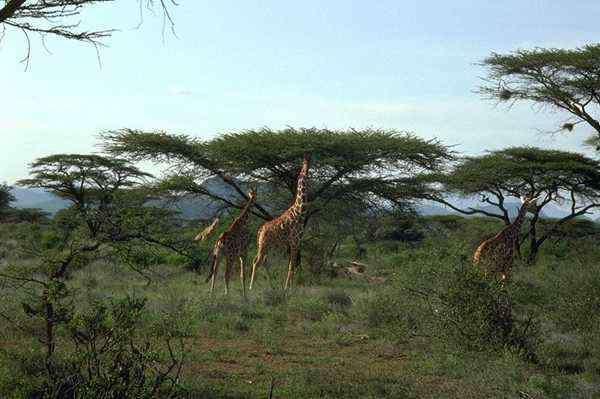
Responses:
[407,65]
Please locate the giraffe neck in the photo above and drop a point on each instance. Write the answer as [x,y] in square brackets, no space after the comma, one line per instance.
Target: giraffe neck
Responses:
[515,226]
[245,213]
[300,200]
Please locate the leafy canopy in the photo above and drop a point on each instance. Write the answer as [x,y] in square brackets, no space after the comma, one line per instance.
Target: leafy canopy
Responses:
[354,165]
[518,171]
[564,79]
[6,197]
[83,179]
[564,178]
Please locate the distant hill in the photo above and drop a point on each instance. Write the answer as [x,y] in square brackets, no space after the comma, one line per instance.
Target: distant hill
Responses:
[38,198]
[429,208]
[201,208]
[550,211]
[187,206]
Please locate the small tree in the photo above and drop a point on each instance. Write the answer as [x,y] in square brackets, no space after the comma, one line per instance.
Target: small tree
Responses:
[89,182]
[108,215]
[555,176]
[564,79]
[6,197]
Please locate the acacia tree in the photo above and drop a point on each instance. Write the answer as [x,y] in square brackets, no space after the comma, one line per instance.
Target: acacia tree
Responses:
[89,182]
[60,18]
[108,196]
[108,215]
[361,170]
[366,167]
[566,80]
[559,177]
[6,198]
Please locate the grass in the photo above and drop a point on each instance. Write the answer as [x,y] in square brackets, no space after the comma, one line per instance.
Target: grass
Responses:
[354,339]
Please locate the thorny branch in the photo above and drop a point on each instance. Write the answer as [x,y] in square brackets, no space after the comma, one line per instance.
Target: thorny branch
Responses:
[62,18]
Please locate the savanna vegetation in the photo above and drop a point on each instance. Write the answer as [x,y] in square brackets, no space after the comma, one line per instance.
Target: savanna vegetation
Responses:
[107,298]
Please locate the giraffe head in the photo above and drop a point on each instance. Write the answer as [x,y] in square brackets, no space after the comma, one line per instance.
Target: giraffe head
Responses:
[252,195]
[207,232]
[529,202]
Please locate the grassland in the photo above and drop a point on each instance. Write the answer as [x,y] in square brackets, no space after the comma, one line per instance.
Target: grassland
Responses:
[423,330]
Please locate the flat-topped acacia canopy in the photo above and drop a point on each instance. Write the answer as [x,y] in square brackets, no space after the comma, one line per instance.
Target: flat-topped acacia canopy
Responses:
[561,177]
[349,165]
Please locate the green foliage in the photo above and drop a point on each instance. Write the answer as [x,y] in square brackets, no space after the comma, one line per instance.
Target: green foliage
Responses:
[343,168]
[477,314]
[313,309]
[336,336]
[83,179]
[274,297]
[6,197]
[389,310]
[111,358]
[551,175]
[564,79]
[519,170]
[338,299]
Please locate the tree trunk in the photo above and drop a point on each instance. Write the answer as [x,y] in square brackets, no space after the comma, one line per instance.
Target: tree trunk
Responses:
[49,331]
[534,249]
[534,243]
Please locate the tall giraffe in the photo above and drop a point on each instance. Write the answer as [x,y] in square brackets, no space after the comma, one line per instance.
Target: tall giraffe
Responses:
[232,245]
[286,229]
[496,254]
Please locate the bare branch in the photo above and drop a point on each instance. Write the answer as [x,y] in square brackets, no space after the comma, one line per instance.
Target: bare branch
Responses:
[58,18]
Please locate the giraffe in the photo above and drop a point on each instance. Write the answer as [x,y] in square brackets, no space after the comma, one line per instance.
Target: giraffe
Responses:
[207,232]
[232,245]
[286,229]
[496,254]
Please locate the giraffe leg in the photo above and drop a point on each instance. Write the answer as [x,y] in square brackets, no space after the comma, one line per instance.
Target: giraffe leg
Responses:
[229,262]
[258,261]
[243,276]
[212,284]
[215,269]
[291,267]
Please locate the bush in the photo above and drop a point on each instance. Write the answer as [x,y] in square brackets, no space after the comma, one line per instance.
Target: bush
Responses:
[313,309]
[390,312]
[477,314]
[274,297]
[112,358]
[338,300]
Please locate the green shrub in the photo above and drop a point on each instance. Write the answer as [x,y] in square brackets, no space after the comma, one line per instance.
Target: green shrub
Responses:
[313,309]
[477,313]
[390,313]
[112,357]
[274,297]
[338,300]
